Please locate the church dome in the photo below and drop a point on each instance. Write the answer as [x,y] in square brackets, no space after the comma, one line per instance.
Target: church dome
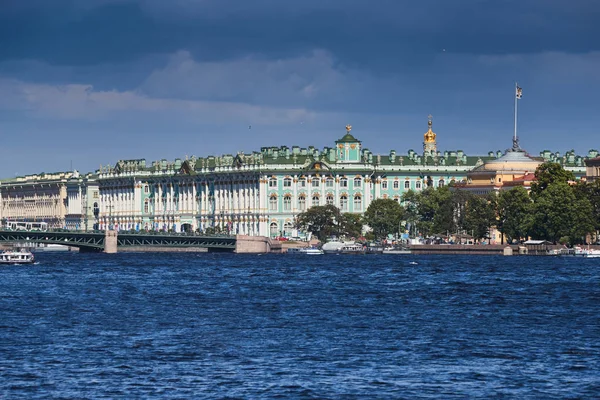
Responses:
[429,136]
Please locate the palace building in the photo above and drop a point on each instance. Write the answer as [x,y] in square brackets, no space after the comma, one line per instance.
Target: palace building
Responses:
[259,193]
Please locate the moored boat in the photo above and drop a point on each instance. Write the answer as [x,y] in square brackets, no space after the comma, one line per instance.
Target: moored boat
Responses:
[580,252]
[16,257]
[305,250]
[396,250]
[355,248]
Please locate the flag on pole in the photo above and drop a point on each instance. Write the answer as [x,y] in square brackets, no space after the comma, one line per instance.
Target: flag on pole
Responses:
[519,92]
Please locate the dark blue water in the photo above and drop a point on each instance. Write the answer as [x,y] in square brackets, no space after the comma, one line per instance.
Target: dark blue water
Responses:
[185,326]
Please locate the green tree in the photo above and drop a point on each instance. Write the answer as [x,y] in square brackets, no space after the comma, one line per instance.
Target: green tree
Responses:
[547,174]
[436,210]
[480,215]
[384,216]
[351,225]
[514,213]
[591,191]
[321,221]
[411,201]
[558,213]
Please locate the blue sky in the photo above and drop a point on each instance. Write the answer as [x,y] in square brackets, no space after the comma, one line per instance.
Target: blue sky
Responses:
[91,82]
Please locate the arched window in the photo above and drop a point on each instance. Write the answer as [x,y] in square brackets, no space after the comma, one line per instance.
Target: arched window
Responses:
[441,183]
[384,184]
[273,203]
[396,184]
[287,182]
[315,200]
[406,185]
[329,199]
[329,182]
[357,182]
[287,203]
[315,182]
[146,206]
[418,185]
[302,203]
[274,229]
[344,203]
[343,182]
[302,182]
[357,203]
[273,182]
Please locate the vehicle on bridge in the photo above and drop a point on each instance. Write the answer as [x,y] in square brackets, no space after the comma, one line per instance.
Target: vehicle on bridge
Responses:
[26,226]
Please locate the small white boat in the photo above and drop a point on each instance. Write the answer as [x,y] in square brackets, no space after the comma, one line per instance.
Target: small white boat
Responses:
[587,253]
[396,250]
[580,252]
[305,250]
[16,257]
[355,248]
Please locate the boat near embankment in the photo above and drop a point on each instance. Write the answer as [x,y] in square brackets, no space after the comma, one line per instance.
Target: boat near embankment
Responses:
[343,248]
[16,257]
[580,252]
[312,251]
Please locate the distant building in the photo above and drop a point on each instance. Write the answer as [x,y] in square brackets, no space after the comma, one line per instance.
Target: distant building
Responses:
[59,199]
[592,169]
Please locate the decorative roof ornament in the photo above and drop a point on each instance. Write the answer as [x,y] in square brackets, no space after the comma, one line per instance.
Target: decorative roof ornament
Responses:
[348,128]
[429,136]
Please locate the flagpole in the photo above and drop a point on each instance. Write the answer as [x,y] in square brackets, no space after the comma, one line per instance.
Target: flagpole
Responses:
[515,140]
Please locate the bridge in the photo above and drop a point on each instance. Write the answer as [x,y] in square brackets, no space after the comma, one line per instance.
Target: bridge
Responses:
[110,241]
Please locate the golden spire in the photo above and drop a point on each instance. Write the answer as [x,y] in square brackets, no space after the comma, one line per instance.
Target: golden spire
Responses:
[429,136]
[348,128]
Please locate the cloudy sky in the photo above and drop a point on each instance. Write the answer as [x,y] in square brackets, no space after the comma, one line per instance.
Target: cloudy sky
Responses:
[91,82]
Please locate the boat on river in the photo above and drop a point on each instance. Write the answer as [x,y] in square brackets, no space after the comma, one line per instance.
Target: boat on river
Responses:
[16,257]
[580,252]
[305,250]
[354,248]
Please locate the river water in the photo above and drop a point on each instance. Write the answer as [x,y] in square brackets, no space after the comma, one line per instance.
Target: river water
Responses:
[185,325]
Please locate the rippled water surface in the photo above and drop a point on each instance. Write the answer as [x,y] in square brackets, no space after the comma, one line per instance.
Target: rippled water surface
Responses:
[79,326]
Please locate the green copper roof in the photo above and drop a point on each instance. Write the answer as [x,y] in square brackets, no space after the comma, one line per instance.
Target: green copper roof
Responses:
[348,138]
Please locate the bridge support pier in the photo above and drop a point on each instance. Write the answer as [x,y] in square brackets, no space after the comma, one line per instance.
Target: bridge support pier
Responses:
[252,244]
[110,242]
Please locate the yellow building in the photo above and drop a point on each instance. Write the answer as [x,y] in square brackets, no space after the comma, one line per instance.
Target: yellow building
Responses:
[514,168]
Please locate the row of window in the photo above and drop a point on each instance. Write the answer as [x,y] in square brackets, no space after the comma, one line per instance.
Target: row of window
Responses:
[315,182]
[316,201]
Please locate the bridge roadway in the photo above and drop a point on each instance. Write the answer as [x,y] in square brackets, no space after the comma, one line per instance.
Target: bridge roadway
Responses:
[88,241]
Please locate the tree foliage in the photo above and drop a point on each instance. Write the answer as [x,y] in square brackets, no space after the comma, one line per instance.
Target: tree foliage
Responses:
[558,213]
[384,216]
[351,225]
[514,213]
[480,215]
[547,174]
[326,221]
[321,221]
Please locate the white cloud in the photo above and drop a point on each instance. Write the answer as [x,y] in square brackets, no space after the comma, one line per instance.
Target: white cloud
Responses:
[82,102]
[294,81]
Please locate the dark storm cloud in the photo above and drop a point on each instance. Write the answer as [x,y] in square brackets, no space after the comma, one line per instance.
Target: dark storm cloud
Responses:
[384,35]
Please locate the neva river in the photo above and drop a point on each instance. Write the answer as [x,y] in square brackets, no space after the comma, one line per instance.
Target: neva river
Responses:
[185,326]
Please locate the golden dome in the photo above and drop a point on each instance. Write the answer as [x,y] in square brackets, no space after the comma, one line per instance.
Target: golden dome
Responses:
[429,136]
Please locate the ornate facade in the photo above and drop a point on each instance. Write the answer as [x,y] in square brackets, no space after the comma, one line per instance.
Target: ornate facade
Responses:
[259,193]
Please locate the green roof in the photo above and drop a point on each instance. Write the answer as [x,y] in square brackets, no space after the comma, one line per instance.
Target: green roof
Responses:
[348,138]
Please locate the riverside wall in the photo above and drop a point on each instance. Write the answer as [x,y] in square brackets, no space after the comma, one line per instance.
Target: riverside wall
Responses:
[490,249]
